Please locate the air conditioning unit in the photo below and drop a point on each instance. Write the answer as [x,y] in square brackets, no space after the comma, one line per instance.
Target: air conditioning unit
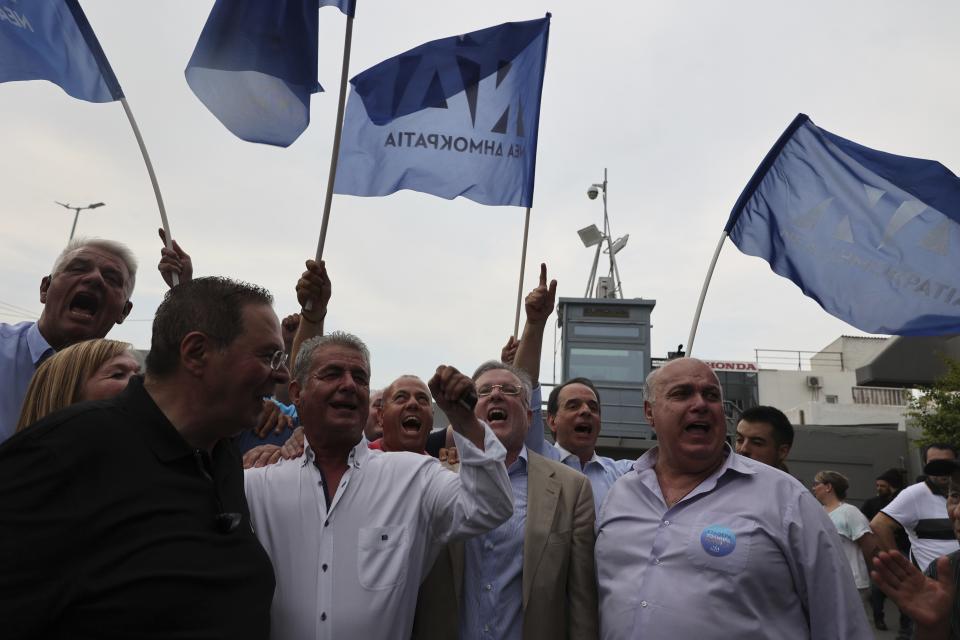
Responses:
[814,382]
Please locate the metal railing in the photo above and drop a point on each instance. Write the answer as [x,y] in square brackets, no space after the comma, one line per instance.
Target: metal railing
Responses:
[881,396]
[798,360]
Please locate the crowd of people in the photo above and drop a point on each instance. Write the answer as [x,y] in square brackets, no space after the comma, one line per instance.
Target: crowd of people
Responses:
[245,481]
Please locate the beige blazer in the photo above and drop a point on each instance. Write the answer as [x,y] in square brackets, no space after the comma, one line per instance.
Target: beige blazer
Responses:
[559,580]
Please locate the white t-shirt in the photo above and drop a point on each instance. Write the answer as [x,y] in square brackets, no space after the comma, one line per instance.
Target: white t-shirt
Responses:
[852,525]
[916,507]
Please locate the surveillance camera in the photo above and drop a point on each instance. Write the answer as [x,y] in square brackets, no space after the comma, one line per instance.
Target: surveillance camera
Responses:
[592,192]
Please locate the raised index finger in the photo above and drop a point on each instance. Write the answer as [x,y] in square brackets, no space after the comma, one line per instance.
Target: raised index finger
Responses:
[543,274]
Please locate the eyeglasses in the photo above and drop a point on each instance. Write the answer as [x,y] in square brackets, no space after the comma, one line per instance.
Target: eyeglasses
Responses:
[278,359]
[505,389]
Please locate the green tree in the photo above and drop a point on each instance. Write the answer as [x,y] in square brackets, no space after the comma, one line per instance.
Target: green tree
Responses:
[937,411]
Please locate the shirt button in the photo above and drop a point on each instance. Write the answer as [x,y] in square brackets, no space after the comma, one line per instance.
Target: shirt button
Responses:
[657,561]
[486,627]
[489,587]
[324,567]
[643,603]
[323,616]
[666,523]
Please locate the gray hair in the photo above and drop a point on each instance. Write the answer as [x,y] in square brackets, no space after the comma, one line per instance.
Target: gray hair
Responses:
[301,368]
[649,386]
[522,376]
[110,246]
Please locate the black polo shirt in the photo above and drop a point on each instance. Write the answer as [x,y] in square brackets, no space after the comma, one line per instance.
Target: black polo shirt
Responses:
[109,529]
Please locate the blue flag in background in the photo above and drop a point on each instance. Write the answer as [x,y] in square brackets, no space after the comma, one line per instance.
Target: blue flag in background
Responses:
[52,40]
[873,237]
[452,117]
[255,66]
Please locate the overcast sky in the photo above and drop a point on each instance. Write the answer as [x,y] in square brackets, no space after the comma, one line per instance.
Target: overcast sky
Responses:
[680,100]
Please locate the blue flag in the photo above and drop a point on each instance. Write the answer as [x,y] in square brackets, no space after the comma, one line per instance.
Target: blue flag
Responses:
[871,236]
[452,117]
[52,40]
[255,66]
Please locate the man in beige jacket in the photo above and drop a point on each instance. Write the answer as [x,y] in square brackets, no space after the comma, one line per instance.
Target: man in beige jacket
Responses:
[533,577]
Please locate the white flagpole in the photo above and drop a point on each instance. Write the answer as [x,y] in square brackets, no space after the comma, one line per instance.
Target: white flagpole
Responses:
[523,264]
[153,180]
[328,200]
[703,294]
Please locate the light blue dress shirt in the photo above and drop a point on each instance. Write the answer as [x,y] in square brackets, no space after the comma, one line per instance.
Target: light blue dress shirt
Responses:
[749,553]
[492,605]
[22,349]
[601,471]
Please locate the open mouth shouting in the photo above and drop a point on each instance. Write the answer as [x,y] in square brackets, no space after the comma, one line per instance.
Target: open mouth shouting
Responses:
[411,424]
[84,305]
[496,415]
[698,428]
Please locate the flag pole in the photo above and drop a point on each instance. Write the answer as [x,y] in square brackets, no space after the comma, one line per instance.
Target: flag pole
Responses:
[153,180]
[523,264]
[328,199]
[703,294]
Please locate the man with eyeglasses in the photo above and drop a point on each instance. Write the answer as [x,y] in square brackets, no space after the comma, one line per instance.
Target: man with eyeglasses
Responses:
[126,517]
[352,530]
[533,576]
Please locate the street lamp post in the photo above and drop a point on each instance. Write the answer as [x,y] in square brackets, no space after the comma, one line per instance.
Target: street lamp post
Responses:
[76,214]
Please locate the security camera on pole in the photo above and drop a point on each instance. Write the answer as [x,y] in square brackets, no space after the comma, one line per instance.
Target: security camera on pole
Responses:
[591,236]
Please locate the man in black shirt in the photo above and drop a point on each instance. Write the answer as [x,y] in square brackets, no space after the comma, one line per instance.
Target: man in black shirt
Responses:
[126,518]
[888,484]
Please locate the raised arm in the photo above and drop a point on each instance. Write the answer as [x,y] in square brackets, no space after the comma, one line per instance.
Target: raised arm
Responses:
[174,261]
[927,600]
[478,498]
[538,305]
[313,287]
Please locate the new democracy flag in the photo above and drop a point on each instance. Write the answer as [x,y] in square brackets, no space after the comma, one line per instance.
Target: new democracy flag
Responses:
[52,40]
[873,237]
[255,66]
[453,117]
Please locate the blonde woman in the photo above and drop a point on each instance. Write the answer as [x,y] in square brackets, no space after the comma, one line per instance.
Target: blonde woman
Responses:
[89,370]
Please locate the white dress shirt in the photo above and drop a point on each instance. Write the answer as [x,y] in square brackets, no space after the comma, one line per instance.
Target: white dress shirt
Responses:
[353,570]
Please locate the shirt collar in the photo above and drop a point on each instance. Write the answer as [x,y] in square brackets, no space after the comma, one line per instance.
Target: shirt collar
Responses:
[38,345]
[162,437]
[357,456]
[520,464]
[731,462]
[564,454]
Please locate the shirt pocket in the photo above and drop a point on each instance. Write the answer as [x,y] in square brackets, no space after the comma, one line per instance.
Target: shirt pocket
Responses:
[720,542]
[382,556]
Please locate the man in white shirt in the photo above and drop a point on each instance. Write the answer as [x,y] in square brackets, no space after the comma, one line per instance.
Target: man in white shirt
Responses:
[352,531]
[921,509]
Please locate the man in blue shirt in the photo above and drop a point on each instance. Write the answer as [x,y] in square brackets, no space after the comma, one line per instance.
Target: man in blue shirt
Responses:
[87,292]
[698,542]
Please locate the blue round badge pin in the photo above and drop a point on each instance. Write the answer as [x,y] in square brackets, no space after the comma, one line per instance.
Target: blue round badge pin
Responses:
[718,541]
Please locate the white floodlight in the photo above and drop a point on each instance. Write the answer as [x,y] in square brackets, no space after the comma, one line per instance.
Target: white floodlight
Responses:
[590,236]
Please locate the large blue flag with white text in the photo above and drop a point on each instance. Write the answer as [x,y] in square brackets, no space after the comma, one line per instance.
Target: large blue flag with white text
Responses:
[452,117]
[255,66]
[873,237]
[52,40]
